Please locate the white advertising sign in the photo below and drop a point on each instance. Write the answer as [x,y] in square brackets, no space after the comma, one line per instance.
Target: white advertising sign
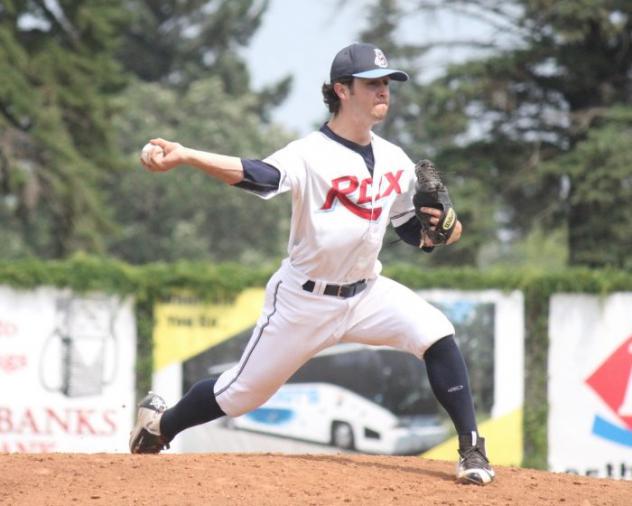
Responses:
[590,385]
[66,371]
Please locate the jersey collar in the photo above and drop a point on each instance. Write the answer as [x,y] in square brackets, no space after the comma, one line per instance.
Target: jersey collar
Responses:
[366,152]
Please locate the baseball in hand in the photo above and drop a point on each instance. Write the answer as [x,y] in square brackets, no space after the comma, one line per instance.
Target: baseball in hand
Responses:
[150,149]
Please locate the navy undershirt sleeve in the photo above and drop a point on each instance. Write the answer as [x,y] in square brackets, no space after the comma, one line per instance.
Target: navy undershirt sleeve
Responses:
[410,233]
[259,177]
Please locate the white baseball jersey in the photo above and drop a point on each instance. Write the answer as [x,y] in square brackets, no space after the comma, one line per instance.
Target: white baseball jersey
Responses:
[339,211]
[339,216]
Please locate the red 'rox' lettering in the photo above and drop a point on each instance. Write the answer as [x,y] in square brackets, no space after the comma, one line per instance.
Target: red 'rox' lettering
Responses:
[393,183]
[342,188]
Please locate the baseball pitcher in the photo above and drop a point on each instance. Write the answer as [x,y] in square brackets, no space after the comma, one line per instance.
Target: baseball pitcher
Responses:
[347,185]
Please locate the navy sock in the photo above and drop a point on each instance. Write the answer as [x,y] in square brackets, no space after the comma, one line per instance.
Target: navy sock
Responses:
[196,407]
[450,383]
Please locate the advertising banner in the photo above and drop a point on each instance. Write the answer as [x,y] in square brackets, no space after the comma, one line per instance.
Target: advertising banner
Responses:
[590,385]
[66,371]
[186,327]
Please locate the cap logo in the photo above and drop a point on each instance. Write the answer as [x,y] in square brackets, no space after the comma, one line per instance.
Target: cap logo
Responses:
[380,59]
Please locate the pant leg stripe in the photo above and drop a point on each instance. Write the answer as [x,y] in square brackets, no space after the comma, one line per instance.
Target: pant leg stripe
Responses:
[243,365]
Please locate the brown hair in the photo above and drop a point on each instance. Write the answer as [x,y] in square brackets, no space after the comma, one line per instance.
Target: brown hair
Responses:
[330,97]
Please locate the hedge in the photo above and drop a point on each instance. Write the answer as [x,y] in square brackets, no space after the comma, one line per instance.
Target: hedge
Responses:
[221,283]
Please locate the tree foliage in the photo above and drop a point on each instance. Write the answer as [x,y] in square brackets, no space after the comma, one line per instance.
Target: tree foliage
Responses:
[192,86]
[176,42]
[543,113]
[83,85]
[600,169]
[184,213]
[58,74]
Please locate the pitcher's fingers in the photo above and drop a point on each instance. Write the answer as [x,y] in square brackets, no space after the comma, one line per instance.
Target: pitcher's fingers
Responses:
[431,211]
[160,142]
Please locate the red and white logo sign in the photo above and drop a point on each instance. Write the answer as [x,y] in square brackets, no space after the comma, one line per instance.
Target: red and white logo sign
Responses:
[612,381]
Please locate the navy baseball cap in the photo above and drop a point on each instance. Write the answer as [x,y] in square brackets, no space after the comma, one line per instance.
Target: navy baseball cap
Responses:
[363,60]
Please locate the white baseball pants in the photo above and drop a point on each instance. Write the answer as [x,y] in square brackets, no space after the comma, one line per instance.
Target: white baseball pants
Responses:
[295,325]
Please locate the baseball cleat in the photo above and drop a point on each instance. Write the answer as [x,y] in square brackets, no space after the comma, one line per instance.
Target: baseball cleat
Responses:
[145,436]
[473,466]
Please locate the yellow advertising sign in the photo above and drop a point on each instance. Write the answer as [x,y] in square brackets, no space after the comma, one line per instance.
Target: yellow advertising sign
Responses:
[503,441]
[185,326]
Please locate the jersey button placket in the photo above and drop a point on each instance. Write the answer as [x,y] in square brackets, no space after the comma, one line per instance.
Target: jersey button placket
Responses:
[374,225]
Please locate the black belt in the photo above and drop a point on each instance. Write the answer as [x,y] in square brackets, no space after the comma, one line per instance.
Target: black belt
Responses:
[344,291]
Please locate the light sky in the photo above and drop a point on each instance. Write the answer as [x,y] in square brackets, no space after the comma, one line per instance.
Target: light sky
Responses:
[301,37]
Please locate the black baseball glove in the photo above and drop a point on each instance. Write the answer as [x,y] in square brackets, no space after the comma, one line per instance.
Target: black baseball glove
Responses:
[431,192]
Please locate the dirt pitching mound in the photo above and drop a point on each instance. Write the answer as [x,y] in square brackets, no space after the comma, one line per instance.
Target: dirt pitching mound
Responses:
[273,479]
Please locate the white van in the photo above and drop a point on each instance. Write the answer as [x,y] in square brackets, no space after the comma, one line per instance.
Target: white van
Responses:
[330,414]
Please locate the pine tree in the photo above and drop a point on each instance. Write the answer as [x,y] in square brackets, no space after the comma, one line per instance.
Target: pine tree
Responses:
[191,85]
[58,76]
[176,42]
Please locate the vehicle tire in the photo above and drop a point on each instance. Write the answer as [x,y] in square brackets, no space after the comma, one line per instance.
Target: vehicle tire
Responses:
[342,436]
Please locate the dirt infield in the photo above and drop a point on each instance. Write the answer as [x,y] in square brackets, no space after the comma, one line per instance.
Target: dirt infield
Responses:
[273,479]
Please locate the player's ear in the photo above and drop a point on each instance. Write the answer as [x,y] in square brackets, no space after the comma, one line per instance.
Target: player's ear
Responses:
[341,90]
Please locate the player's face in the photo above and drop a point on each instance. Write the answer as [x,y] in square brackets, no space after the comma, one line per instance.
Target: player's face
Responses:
[371,97]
